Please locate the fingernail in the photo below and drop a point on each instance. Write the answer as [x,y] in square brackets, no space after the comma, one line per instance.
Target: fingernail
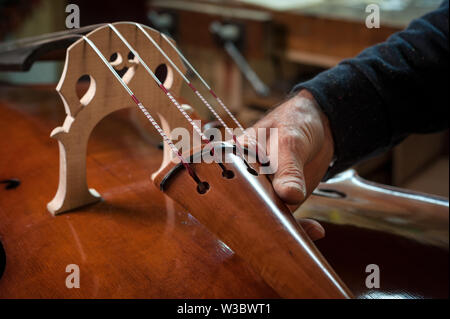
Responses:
[295,185]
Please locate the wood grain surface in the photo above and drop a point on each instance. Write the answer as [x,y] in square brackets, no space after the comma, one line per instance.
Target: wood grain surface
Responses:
[137,243]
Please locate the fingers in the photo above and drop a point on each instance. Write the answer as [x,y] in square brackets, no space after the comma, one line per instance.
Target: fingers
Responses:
[286,161]
[314,230]
[298,150]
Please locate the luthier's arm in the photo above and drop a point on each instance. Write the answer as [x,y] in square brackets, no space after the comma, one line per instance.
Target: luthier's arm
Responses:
[371,102]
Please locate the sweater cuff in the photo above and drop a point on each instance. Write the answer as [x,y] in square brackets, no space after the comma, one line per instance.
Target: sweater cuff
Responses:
[358,120]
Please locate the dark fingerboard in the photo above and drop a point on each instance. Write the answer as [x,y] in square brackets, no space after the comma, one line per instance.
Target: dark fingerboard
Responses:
[21,54]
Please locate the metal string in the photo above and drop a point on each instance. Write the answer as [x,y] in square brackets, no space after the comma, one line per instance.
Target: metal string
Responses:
[199,95]
[143,109]
[170,96]
[158,82]
[218,99]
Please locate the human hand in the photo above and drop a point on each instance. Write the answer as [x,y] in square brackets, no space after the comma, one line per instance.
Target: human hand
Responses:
[305,150]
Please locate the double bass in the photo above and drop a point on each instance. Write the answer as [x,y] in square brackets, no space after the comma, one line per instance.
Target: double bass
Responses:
[190,229]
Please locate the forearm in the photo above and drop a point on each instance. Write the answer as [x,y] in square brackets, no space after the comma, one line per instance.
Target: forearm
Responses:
[390,90]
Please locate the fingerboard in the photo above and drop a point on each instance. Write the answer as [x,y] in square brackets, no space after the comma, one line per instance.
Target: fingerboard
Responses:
[20,55]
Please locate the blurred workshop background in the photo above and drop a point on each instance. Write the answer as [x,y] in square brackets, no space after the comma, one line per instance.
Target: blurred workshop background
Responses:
[253,52]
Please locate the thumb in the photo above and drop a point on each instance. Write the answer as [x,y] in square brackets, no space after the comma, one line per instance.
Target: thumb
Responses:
[289,180]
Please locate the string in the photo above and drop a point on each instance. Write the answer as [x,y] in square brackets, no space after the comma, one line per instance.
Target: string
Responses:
[185,60]
[158,82]
[144,110]
[199,95]
[170,96]
[218,99]
[161,86]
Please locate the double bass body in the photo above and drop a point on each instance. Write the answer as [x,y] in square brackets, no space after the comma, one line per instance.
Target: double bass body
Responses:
[236,240]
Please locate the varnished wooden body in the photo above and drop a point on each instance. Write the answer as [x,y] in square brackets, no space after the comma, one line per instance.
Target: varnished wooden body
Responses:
[137,243]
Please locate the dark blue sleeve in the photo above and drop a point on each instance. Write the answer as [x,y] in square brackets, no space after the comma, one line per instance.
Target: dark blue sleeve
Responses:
[388,91]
